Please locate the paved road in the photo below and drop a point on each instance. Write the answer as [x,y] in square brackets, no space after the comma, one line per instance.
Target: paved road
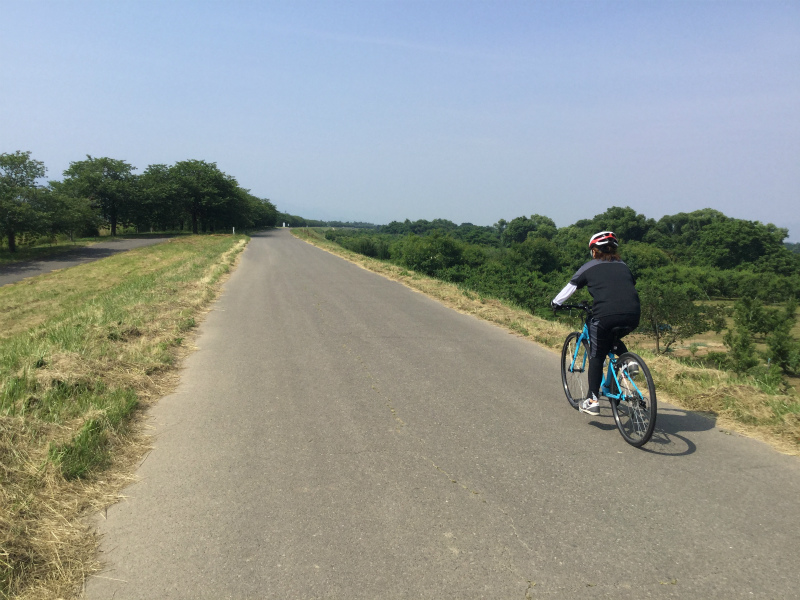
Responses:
[337,435]
[13,272]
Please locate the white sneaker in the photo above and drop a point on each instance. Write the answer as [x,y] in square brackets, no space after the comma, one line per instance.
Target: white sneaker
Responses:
[590,406]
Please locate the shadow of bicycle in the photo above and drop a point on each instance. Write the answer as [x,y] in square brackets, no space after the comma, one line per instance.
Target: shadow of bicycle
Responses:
[671,424]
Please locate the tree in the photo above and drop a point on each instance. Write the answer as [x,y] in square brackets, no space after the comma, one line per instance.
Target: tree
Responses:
[625,222]
[203,190]
[750,312]
[640,257]
[669,313]
[108,184]
[677,233]
[263,212]
[476,234]
[573,245]
[518,230]
[500,226]
[431,253]
[783,350]
[68,214]
[160,202]
[749,318]
[741,350]
[19,194]
[728,243]
[536,254]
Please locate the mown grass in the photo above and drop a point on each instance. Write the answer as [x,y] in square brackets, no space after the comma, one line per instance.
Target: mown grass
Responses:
[81,352]
[737,403]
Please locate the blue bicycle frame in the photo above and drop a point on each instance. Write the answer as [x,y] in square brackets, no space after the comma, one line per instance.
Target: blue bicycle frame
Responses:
[627,385]
[609,376]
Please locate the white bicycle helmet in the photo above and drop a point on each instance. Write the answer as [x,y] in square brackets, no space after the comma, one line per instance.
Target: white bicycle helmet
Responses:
[605,240]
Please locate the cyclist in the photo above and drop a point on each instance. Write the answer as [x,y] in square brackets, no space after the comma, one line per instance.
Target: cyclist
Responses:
[616,305]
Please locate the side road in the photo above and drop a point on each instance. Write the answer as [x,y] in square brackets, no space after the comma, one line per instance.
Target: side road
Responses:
[14,272]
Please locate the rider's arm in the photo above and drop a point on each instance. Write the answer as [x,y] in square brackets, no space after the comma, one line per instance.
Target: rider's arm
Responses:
[565,293]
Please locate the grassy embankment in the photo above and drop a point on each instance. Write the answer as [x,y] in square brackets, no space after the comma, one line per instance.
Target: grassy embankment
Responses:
[82,351]
[737,403]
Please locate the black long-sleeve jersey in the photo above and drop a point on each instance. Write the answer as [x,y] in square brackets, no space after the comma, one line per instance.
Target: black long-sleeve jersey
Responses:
[611,286]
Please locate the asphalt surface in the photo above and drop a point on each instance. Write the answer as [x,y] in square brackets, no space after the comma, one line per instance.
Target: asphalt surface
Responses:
[18,271]
[338,435]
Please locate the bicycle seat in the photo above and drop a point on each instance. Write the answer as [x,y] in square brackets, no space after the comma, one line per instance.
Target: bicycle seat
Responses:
[620,332]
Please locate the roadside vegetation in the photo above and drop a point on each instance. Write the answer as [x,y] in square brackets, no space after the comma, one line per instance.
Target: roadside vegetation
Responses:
[719,327]
[82,352]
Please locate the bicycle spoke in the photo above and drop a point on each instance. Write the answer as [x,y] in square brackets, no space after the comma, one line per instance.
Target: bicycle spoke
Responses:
[574,363]
[635,416]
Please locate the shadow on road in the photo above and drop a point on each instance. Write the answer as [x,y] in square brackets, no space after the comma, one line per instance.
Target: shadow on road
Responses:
[672,422]
[269,232]
[79,254]
[16,271]
[667,438]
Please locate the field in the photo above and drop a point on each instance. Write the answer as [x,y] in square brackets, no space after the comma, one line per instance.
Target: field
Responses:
[698,346]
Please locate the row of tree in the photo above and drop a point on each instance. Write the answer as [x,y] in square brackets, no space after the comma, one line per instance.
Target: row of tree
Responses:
[297,221]
[191,195]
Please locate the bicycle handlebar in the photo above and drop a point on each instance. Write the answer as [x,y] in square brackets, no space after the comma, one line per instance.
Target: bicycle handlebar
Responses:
[582,306]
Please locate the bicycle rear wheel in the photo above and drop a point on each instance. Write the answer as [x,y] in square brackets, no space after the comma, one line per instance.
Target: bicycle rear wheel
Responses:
[574,369]
[635,413]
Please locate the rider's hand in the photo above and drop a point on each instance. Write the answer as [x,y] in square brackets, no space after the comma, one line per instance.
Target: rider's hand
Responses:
[554,306]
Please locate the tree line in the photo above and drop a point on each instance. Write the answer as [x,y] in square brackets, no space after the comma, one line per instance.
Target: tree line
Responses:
[683,264]
[95,193]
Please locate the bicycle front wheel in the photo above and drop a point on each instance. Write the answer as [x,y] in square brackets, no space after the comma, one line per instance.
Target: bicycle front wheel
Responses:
[574,369]
[635,413]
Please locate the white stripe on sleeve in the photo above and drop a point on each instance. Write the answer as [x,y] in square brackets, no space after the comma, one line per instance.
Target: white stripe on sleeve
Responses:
[565,293]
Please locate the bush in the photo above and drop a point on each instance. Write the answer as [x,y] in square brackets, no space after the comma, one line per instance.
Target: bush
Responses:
[783,350]
[432,253]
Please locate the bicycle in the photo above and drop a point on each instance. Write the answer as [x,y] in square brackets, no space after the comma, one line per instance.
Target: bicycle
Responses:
[627,382]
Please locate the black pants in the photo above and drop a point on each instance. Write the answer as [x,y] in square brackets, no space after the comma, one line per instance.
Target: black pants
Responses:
[602,342]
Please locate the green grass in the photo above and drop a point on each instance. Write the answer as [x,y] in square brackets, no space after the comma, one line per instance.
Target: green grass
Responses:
[81,351]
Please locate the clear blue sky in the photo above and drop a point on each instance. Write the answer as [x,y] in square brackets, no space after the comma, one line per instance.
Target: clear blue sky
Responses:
[381,110]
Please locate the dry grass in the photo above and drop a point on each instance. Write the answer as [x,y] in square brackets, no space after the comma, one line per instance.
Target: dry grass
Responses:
[82,353]
[736,404]
[46,544]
